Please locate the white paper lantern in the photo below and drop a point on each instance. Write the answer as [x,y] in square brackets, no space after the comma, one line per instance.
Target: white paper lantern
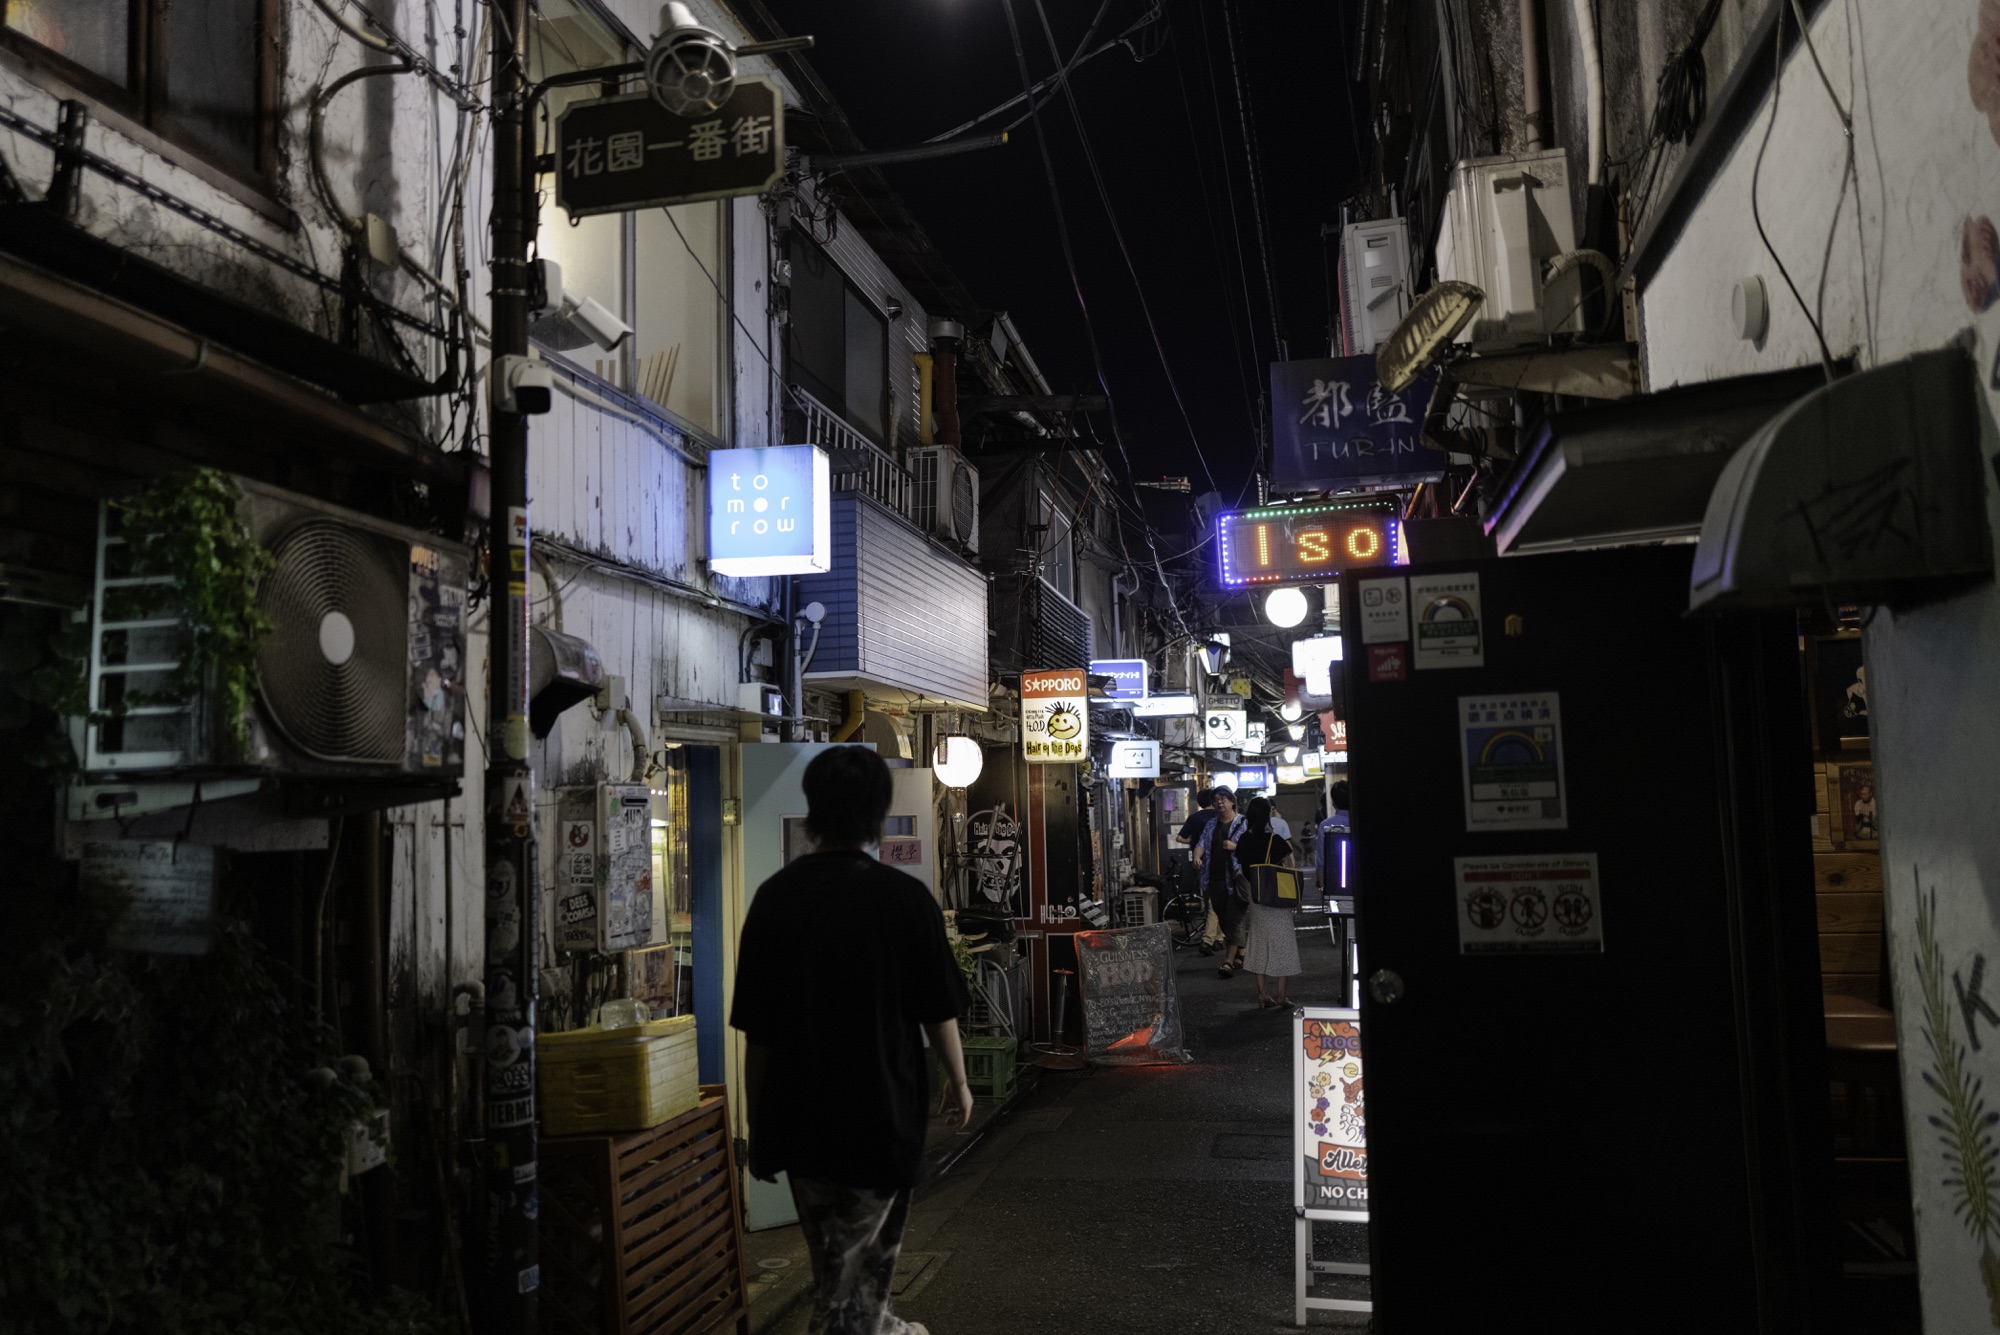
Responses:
[958,762]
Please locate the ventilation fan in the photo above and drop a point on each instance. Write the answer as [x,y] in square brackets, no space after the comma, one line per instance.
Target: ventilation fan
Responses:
[334,670]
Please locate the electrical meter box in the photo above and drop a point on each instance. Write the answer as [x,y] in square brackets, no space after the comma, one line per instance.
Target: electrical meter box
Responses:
[604,869]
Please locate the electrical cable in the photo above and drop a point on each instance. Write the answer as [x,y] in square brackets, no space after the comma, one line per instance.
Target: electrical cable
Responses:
[1257,213]
[1118,234]
[1236,235]
[1756,215]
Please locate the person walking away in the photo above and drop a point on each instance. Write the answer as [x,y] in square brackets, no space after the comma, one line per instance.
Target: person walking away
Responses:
[1273,951]
[1219,878]
[1191,832]
[843,964]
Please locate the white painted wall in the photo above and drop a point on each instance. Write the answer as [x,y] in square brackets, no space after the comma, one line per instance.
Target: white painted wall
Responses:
[1926,161]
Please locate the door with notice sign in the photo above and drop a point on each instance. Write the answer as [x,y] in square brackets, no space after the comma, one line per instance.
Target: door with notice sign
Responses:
[1589,971]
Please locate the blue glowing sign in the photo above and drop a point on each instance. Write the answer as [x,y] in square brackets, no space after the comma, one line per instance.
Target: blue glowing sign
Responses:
[1253,778]
[1298,544]
[1128,677]
[770,511]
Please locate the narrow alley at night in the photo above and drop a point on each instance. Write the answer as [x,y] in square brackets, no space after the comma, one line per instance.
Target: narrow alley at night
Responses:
[999,667]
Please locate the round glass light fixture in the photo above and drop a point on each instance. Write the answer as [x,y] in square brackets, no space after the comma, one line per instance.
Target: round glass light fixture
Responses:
[957,762]
[1285,606]
[1291,711]
[1291,755]
[1297,730]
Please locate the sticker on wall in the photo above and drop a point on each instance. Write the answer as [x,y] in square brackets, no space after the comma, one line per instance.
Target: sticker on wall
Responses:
[1511,749]
[1540,904]
[1385,610]
[1388,662]
[1446,608]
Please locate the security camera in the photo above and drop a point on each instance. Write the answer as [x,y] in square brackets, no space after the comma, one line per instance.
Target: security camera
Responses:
[691,69]
[606,330]
[523,385]
[545,288]
[895,309]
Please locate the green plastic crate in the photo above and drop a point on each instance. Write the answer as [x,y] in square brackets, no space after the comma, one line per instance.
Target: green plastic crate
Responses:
[989,1065]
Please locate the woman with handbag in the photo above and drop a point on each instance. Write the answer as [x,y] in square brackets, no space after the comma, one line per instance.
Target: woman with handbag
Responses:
[1273,951]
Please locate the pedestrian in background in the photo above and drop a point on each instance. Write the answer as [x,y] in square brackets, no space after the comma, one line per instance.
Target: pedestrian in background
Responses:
[1273,950]
[843,965]
[1191,832]
[1219,877]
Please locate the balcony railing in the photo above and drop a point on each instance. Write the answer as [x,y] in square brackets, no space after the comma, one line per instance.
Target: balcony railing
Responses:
[859,464]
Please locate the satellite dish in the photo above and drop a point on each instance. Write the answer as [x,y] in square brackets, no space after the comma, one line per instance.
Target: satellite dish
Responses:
[1433,322]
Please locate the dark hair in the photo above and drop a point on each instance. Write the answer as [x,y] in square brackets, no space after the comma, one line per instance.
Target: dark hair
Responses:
[1258,815]
[847,795]
[1339,794]
[1205,798]
[1222,793]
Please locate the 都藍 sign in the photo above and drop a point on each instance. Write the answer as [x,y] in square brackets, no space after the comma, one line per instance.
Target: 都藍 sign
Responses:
[1329,1115]
[630,152]
[1055,715]
[770,511]
[1334,428]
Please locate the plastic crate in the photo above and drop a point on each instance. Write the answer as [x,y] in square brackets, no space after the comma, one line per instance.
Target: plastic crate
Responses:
[599,1080]
[989,1065]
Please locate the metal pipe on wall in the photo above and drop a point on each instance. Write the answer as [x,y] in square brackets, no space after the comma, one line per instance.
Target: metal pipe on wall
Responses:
[1531,71]
[1593,85]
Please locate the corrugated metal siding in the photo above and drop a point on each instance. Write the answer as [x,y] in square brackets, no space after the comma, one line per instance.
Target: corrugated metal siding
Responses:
[900,611]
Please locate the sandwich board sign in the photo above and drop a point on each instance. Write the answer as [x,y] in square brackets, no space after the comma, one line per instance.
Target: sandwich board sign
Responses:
[1330,1145]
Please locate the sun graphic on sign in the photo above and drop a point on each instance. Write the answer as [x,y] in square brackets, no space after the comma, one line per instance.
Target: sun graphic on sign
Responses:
[1064,722]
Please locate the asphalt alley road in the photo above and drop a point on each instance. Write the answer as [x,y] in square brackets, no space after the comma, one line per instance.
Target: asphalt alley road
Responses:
[1113,1200]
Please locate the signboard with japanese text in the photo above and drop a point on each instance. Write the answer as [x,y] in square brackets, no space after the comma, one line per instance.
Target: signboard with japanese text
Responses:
[770,511]
[1055,716]
[1329,1115]
[1446,608]
[1164,706]
[169,891]
[1511,750]
[629,152]
[1535,904]
[1334,428]
[1305,544]
[1128,677]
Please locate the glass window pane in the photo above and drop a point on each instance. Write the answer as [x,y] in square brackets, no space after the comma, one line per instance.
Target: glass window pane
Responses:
[867,367]
[96,34]
[211,73]
[818,325]
[677,314]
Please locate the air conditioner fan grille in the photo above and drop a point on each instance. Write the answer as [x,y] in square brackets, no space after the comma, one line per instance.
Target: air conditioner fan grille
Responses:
[334,672]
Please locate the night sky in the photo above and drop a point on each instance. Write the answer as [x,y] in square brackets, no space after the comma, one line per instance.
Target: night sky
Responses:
[1164,121]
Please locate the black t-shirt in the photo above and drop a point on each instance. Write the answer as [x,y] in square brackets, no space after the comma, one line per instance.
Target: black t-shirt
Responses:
[1261,847]
[1192,827]
[842,960]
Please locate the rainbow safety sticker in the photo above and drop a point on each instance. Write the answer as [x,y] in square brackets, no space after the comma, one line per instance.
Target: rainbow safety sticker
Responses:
[1511,746]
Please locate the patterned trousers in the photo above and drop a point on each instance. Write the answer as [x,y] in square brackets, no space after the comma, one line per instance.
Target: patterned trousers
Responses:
[853,1236]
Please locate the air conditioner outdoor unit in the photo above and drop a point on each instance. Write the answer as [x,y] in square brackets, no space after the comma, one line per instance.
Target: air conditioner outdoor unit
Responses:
[362,675]
[947,495]
[1374,283]
[1505,218]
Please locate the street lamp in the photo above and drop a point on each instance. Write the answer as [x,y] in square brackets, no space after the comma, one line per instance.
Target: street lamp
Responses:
[1285,607]
[1291,711]
[1298,731]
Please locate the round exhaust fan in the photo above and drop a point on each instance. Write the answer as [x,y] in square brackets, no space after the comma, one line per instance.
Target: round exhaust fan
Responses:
[964,506]
[334,672]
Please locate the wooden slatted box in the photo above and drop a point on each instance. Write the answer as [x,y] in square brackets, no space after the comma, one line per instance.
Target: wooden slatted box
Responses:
[642,1232]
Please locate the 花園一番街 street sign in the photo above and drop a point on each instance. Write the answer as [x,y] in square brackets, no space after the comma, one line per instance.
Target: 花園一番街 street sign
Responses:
[629,152]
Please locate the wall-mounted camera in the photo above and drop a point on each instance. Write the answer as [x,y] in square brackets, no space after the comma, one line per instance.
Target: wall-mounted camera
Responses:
[566,321]
[523,385]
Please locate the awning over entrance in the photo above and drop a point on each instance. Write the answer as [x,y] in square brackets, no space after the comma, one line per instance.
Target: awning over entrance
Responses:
[1637,470]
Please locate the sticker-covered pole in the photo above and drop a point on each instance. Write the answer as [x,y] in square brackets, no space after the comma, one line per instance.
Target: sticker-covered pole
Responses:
[508,1265]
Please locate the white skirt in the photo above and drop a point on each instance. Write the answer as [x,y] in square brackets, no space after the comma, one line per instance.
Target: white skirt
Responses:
[1274,945]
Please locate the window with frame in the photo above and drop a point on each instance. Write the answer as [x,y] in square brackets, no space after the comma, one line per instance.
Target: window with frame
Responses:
[837,343]
[201,73]
[1058,553]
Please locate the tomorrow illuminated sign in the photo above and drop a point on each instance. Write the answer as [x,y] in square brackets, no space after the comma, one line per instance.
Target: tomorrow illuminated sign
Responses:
[1300,544]
[770,511]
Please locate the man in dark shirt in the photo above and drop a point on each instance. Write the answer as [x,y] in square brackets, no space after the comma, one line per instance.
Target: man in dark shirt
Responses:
[1191,832]
[843,961]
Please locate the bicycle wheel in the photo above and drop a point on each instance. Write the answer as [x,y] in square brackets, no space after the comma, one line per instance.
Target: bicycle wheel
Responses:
[1186,916]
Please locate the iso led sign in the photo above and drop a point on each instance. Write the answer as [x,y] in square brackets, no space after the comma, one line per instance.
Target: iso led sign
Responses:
[1295,544]
[770,511]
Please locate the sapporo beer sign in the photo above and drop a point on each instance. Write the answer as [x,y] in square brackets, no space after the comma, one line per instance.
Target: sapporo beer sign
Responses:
[1293,544]
[620,153]
[1055,716]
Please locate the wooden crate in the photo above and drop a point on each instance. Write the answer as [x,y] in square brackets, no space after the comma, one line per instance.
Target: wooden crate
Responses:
[642,1232]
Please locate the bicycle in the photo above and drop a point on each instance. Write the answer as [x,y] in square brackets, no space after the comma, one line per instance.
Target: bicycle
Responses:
[1186,916]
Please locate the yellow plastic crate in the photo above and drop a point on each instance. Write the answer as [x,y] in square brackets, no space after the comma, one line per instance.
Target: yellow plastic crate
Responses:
[598,1080]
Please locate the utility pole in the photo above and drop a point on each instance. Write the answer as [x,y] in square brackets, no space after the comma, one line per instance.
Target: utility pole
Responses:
[509,1261]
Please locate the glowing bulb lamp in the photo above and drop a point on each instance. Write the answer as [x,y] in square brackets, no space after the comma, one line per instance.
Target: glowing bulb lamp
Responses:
[1291,755]
[1291,711]
[1285,606]
[1297,730]
[957,762]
